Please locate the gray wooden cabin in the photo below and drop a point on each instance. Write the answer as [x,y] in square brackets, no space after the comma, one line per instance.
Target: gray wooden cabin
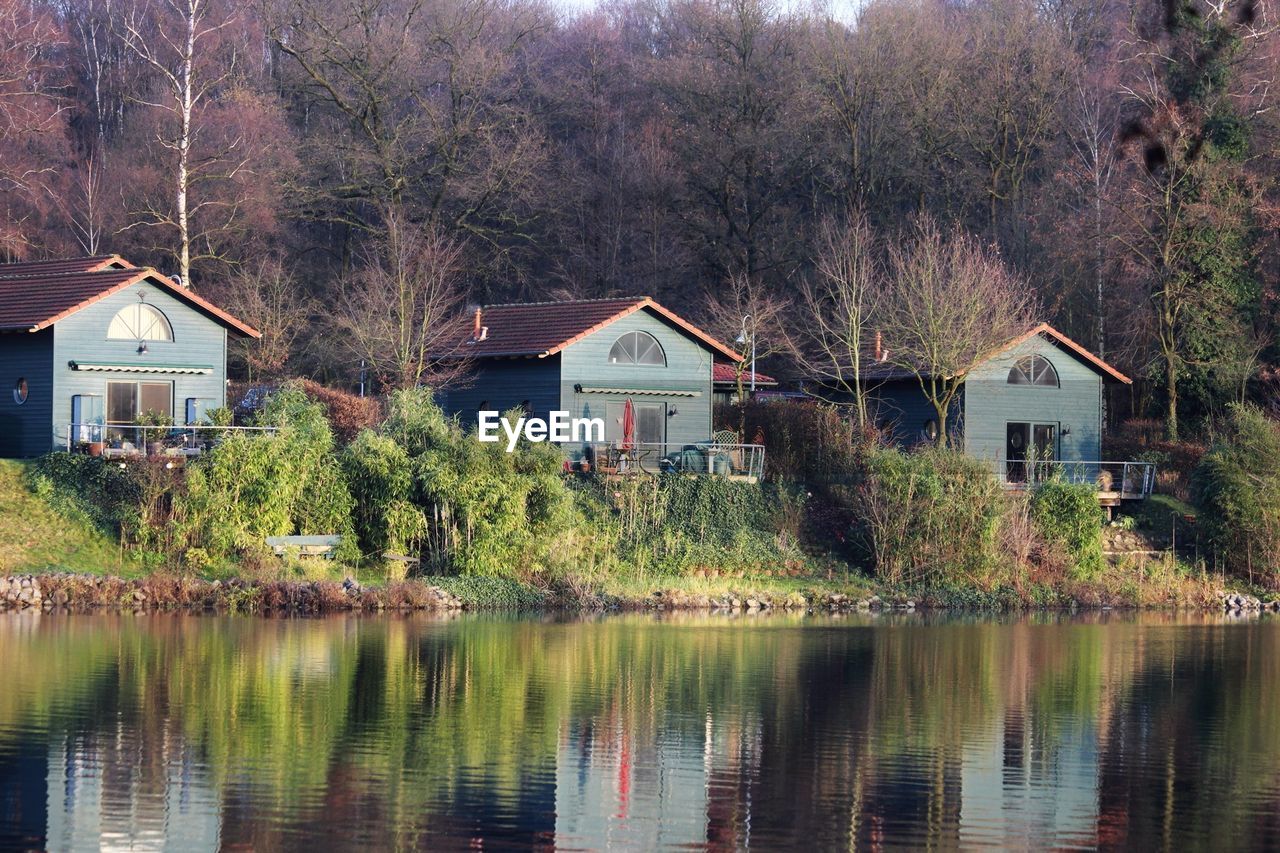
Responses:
[89,344]
[587,357]
[1037,404]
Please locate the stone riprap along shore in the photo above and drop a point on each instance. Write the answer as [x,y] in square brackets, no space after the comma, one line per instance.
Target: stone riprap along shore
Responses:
[171,592]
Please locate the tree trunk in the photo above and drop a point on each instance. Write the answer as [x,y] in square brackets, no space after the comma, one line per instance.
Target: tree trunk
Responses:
[1171,391]
[184,151]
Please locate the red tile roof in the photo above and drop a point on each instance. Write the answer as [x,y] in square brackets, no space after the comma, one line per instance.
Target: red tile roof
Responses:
[1082,353]
[540,329]
[884,371]
[724,374]
[35,295]
[94,263]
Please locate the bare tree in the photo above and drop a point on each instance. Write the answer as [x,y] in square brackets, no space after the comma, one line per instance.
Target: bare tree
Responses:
[268,297]
[423,99]
[951,302]
[402,311]
[84,207]
[31,116]
[840,306]
[171,36]
[744,312]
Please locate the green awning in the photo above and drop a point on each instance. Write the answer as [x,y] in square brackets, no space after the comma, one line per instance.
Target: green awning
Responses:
[113,367]
[640,392]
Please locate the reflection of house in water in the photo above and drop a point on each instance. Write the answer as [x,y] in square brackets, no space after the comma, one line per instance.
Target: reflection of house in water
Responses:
[127,794]
[1019,791]
[689,787]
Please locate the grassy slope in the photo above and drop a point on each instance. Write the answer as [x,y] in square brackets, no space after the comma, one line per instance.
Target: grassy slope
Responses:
[33,537]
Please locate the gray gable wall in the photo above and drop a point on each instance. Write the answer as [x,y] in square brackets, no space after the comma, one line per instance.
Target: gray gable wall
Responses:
[197,340]
[991,403]
[688,369]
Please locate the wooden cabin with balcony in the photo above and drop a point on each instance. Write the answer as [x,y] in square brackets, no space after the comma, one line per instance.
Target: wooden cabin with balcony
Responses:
[588,358]
[1034,408]
[89,346]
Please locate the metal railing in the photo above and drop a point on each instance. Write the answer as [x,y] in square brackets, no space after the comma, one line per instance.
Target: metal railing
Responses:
[708,458]
[1128,480]
[143,440]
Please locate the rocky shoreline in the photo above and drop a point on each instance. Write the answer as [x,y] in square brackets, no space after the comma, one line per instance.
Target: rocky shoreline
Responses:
[169,592]
[162,592]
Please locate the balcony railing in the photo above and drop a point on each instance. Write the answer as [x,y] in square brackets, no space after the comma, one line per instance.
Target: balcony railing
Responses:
[708,458]
[138,440]
[1126,480]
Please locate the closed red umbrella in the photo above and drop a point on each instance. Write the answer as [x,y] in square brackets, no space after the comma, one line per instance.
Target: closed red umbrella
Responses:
[628,426]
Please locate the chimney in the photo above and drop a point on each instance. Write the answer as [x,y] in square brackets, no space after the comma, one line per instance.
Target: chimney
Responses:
[475,327]
[879,347]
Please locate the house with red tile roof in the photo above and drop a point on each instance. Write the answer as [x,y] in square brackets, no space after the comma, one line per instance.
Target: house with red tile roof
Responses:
[587,358]
[724,381]
[1040,396]
[87,345]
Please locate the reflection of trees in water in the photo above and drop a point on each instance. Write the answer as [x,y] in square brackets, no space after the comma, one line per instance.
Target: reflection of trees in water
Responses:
[409,731]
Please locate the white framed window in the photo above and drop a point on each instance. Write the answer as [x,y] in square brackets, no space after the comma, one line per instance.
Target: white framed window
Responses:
[139,322]
[1034,370]
[637,348]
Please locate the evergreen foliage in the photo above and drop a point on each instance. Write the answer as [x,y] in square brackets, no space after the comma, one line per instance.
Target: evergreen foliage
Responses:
[1068,514]
[927,517]
[1236,488]
[254,485]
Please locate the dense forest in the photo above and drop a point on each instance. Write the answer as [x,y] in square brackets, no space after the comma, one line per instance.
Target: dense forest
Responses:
[321,164]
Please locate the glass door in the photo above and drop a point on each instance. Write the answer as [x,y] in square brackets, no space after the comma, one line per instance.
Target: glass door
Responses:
[1017,439]
[1044,439]
[126,401]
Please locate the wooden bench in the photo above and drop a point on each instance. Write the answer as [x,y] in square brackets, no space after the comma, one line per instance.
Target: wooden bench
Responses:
[305,546]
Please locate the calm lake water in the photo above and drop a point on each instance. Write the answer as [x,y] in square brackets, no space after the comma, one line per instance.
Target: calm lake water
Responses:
[202,732]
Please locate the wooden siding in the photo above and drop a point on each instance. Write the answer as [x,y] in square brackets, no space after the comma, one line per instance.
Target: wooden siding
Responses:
[688,369]
[991,403]
[24,429]
[900,409]
[503,384]
[197,340]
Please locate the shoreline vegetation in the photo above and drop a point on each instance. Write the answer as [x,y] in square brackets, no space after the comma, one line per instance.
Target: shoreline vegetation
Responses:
[431,519]
[163,592]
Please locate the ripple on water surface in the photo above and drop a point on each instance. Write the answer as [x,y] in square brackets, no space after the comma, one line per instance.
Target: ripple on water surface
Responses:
[186,732]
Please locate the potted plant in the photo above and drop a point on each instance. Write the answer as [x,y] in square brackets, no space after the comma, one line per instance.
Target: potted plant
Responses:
[154,427]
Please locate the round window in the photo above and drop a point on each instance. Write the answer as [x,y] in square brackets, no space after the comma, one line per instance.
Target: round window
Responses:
[20,391]
[931,429]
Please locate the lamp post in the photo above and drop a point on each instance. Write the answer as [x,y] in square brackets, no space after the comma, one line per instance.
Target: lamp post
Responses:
[742,339]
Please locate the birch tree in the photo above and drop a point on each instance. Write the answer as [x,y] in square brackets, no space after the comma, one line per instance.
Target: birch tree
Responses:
[172,38]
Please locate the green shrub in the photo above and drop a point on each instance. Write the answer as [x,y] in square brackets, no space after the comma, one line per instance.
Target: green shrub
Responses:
[91,488]
[1236,488]
[254,485]
[1068,514]
[927,517]
[380,472]
[672,524]
[425,486]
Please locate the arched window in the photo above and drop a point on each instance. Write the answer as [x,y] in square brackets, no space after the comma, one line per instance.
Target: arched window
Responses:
[1033,370]
[637,348]
[139,322]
